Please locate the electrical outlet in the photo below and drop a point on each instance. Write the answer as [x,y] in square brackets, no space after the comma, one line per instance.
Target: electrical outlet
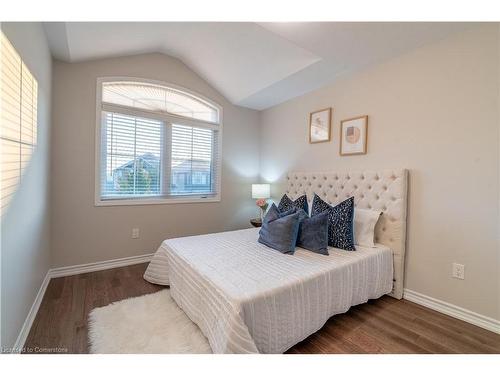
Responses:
[458,271]
[135,233]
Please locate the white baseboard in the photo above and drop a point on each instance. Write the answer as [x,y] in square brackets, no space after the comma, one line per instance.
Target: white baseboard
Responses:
[98,266]
[69,271]
[452,310]
[25,329]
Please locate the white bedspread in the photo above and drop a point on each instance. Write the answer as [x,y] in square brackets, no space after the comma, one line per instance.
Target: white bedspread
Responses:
[247,298]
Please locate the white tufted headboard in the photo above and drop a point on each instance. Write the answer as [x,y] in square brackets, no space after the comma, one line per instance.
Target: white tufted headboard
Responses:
[385,191]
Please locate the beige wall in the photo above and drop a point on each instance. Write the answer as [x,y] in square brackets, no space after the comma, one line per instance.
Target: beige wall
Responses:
[83,233]
[25,251]
[435,112]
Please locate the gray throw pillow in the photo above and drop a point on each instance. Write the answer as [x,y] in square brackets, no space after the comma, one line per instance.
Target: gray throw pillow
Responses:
[313,232]
[279,230]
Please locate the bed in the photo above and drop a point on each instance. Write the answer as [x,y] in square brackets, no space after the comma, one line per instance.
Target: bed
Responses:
[247,298]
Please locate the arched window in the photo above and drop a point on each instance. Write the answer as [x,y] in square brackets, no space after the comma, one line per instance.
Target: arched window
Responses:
[157,98]
[157,144]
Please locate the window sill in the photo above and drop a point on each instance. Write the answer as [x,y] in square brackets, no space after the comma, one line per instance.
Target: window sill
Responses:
[148,201]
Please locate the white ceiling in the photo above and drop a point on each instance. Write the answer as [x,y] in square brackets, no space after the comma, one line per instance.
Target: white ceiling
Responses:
[253,65]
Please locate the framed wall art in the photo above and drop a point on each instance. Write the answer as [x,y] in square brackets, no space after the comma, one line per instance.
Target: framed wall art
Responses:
[353,135]
[320,123]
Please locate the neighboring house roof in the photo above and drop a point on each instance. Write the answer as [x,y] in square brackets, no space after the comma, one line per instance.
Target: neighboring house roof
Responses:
[149,160]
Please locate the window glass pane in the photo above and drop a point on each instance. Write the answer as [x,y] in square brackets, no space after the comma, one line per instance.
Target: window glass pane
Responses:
[132,162]
[159,99]
[192,160]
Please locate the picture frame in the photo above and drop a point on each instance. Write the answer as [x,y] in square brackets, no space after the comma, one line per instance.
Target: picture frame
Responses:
[320,125]
[354,136]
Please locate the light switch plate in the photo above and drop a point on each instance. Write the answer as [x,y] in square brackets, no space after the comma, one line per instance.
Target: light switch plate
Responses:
[135,233]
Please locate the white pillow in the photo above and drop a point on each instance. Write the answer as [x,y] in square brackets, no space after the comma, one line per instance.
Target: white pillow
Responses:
[364,226]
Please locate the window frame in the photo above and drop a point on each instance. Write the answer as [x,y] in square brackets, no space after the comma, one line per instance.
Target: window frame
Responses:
[101,108]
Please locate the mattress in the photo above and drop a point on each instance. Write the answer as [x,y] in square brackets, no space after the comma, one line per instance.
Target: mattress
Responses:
[248,298]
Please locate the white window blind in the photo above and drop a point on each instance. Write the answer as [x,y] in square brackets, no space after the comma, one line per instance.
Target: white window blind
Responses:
[18,134]
[132,156]
[194,162]
[151,156]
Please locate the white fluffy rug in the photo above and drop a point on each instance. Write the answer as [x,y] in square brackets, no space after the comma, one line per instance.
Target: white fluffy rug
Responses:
[148,324]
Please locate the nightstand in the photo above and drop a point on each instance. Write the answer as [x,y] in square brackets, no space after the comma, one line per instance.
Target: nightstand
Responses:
[256,222]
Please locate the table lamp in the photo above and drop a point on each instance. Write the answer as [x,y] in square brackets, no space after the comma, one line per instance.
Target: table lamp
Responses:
[261,192]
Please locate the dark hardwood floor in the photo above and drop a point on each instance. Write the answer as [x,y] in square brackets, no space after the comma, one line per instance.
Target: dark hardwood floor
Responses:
[385,325]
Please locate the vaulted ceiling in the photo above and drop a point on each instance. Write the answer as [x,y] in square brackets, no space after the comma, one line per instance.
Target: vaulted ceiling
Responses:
[252,65]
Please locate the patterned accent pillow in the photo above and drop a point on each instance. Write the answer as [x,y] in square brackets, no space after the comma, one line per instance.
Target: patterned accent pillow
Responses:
[340,222]
[287,204]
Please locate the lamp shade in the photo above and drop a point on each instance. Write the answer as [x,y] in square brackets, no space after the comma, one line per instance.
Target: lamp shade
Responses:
[261,191]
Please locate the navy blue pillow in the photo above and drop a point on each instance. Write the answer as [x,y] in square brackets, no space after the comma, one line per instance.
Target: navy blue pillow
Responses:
[287,204]
[340,222]
[274,213]
[279,230]
[313,232]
